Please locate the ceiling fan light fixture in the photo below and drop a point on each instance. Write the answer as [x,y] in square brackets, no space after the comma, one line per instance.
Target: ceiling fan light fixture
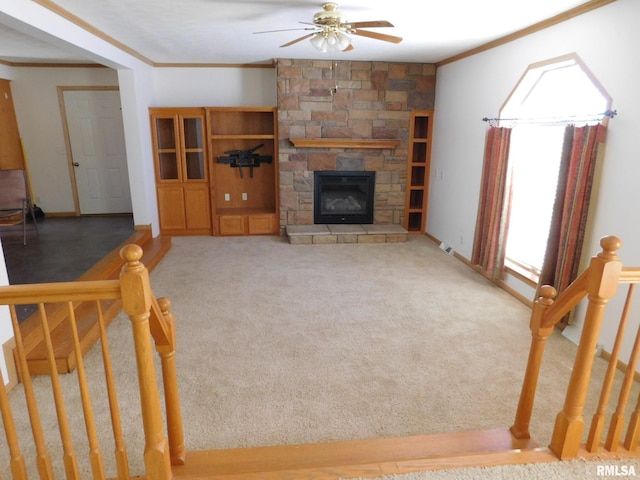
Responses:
[319,41]
[330,41]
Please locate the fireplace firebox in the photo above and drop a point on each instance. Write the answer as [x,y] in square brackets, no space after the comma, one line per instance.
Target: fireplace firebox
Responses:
[343,197]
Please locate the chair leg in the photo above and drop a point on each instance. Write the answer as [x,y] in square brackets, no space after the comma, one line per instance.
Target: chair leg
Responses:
[33,217]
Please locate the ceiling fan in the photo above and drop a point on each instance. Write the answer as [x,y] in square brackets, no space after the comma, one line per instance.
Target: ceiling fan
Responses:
[330,30]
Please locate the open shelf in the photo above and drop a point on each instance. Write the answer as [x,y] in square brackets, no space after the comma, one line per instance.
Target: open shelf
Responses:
[418,171]
[244,200]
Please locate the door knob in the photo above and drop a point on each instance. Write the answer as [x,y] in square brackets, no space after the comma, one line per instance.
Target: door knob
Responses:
[76,164]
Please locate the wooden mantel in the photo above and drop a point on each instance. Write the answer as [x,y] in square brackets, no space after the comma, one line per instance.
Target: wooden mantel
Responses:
[344,143]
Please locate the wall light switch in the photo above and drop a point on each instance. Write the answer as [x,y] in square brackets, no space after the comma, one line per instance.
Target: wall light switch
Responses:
[227,197]
[244,196]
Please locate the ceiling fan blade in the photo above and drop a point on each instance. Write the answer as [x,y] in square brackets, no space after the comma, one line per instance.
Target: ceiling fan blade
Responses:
[285,30]
[349,48]
[372,24]
[377,36]
[298,40]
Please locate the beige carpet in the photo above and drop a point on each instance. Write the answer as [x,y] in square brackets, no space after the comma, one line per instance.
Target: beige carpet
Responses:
[283,344]
[569,470]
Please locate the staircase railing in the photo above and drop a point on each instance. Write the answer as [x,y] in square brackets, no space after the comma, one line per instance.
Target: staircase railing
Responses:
[598,284]
[150,319]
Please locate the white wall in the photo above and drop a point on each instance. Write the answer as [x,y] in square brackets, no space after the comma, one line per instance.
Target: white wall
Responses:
[208,87]
[606,39]
[6,331]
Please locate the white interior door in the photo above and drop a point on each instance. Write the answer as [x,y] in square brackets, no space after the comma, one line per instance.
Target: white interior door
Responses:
[96,135]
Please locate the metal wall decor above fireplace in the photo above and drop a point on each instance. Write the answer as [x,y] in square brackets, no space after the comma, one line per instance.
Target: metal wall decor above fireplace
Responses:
[343,197]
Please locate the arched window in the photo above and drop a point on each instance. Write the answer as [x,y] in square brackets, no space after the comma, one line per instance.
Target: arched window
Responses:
[548,97]
[535,191]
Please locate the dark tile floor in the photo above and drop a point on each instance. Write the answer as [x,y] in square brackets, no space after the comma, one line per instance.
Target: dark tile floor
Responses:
[62,250]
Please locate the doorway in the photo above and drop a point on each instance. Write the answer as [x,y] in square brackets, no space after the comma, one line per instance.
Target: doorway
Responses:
[94,134]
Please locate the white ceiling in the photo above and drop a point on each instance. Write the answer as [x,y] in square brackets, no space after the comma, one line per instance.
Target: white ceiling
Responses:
[222,31]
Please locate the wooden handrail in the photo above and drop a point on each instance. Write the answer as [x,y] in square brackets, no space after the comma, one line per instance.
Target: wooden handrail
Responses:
[599,283]
[60,292]
[571,296]
[161,331]
[630,275]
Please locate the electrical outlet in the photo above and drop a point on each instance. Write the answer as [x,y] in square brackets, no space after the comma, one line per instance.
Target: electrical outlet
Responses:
[244,196]
[227,197]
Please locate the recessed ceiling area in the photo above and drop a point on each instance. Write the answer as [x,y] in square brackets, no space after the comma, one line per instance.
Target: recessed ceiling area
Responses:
[223,31]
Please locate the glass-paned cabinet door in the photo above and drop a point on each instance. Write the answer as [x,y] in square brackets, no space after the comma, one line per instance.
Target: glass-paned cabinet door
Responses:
[167,151]
[194,151]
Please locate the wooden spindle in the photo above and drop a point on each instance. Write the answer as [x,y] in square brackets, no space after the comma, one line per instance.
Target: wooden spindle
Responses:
[136,302]
[69,456]
[597,422]
[122,462]
[618,418]
[17,465]
[170,382]
[633,430]
[539,335]
[95,457]
[602,284]
[43,460]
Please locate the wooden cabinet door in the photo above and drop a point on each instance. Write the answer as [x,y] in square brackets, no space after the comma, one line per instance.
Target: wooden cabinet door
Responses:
[260,224]
[171,207]
[232,225]
[196,204]
[10,146]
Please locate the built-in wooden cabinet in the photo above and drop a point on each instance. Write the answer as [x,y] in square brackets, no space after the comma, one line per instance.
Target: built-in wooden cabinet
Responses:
[182,176]
[199,195]
[10,146]
[244,199]
[415,216]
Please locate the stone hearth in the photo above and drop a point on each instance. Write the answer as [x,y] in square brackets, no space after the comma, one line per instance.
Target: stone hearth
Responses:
[325,234]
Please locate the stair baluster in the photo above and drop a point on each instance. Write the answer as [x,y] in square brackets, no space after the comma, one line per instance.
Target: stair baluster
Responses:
[617,419]
[122,462]
[43,460]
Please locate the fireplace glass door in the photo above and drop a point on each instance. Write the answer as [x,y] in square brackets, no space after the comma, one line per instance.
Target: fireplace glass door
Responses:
[343,197]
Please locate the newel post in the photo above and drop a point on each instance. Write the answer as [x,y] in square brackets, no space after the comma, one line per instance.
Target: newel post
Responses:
[170,378]
[602,284]
[136,302]
[539,335]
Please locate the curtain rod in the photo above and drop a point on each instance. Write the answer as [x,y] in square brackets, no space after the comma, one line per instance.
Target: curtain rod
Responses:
[570,119]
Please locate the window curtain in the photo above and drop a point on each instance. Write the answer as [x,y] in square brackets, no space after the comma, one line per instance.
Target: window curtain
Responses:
[493,206]
[571,207]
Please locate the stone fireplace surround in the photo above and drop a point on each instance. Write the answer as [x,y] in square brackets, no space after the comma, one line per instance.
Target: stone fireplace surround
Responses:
[371,101]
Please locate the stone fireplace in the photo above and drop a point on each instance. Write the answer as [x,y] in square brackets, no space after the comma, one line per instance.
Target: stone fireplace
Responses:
[349,101]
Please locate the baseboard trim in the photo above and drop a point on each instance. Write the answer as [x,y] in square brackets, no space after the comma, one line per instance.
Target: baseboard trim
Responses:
[499,283]
[620,365]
